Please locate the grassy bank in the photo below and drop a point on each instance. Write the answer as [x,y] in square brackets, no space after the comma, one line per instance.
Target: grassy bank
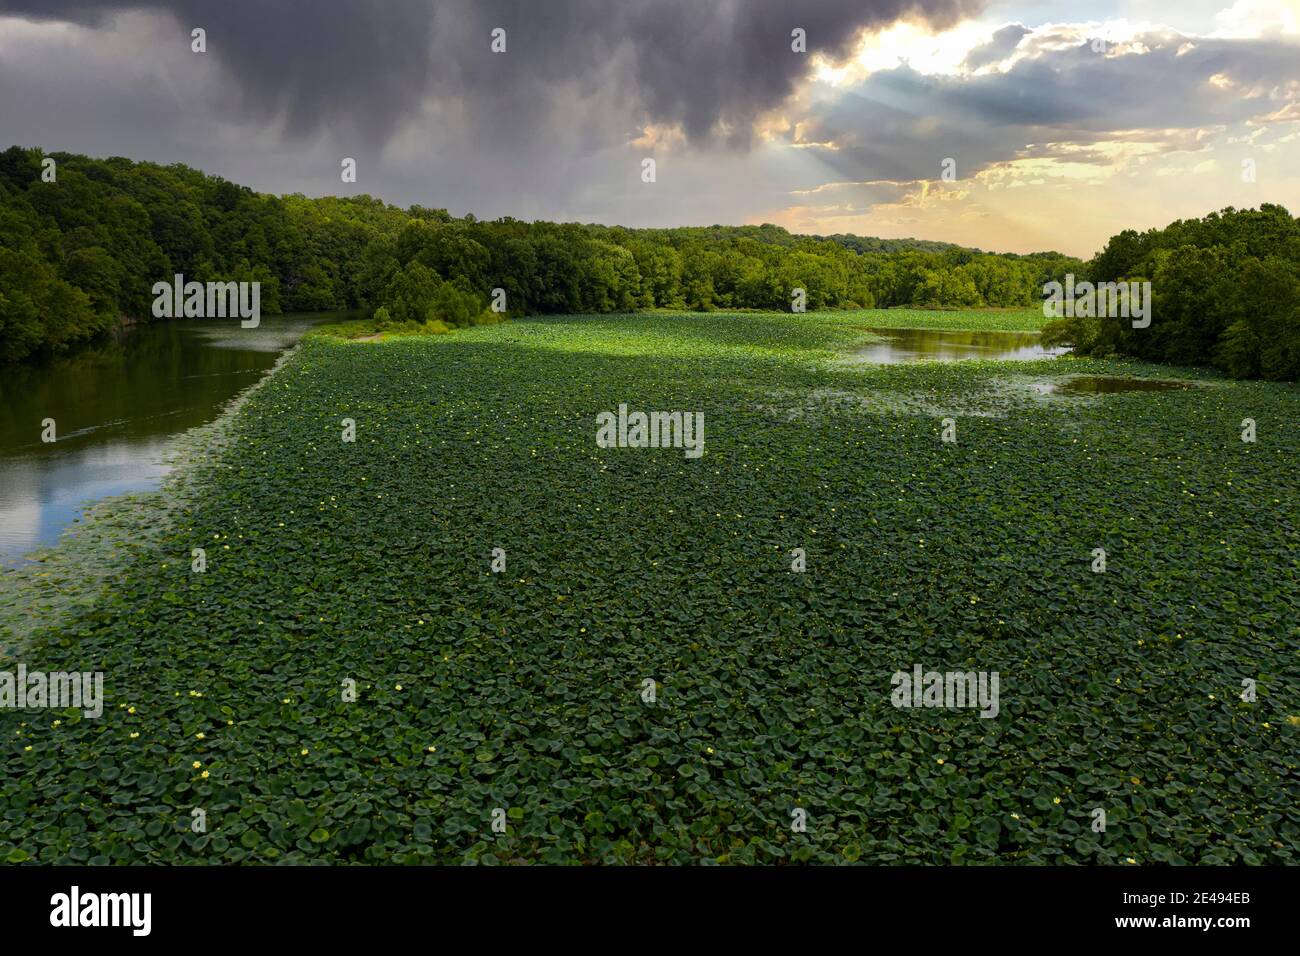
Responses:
[967,320]
[369,561]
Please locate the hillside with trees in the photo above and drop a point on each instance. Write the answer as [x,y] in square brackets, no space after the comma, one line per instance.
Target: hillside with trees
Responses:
[80,254]
[1225,292]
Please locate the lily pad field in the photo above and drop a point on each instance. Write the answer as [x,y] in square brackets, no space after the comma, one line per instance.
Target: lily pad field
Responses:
[435,620]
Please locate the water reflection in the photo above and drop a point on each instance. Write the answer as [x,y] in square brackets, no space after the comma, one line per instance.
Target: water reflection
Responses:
[937,345]
[1106,384]
[116,406]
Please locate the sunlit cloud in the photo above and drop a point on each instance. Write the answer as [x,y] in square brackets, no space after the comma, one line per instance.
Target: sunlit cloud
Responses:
[1062,128]
[1040,119]
[1249,19]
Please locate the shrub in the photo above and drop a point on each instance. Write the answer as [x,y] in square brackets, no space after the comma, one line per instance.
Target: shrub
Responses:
[455,304]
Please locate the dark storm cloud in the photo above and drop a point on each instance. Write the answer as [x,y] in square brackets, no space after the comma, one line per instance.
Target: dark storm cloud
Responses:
[999,48]
[367,65]
[311,64]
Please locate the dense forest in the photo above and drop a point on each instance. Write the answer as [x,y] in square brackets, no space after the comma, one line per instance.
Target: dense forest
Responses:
[1225,291]
[80,253]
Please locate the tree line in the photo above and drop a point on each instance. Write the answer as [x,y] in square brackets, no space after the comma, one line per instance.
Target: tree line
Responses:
[1225,292]
[80,253]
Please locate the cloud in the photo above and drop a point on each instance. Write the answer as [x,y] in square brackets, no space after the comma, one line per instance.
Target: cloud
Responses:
[899,124]
[709,67]
[850,136]
[1045,130]
[1002,45]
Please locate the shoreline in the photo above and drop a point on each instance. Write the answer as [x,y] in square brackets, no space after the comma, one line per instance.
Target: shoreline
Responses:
[58,582]
[125,325]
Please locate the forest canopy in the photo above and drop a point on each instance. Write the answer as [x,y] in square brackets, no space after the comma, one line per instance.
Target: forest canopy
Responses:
[1225,290]
[79,254]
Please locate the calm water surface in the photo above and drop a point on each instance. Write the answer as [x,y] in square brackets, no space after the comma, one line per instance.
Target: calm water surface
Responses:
[936,345]
[1110,384]
[116,407]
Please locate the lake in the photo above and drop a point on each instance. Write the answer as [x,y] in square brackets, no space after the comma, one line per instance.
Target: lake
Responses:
[116,406]
[937,345]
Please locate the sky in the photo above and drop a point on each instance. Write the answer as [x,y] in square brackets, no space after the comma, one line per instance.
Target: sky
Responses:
[1008,126]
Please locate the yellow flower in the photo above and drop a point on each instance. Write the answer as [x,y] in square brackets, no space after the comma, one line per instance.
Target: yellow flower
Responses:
[134,735]
[305,751]
[199,736]
[399,687]
[204,775]
[709,749]
[1056,799]
[197,765]
[939,761]
[130,710]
